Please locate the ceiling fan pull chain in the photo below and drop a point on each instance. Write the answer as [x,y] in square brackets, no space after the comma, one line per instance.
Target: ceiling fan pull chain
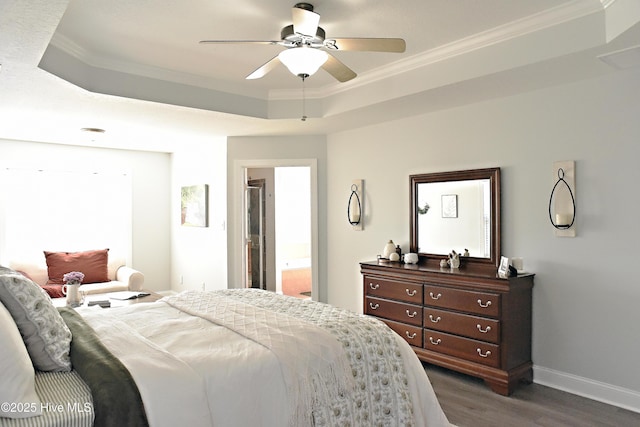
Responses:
[304,109]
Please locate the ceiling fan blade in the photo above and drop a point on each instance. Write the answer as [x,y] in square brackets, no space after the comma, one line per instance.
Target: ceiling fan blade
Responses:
[240,41]
[264,69]
[338,70]
[305,21]
[367,44]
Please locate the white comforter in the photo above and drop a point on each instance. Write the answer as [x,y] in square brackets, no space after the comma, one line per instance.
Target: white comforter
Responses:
[191,370]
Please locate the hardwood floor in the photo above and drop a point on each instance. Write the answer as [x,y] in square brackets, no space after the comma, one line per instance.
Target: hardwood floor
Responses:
[468,402]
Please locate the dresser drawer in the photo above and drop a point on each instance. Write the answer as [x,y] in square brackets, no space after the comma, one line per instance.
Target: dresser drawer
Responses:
[464,348]
[411,334]
[405,313]
[483,303]
[480,328]
[394,290]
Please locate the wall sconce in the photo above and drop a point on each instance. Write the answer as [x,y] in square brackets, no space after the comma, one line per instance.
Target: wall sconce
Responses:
[355,206]
[562,202]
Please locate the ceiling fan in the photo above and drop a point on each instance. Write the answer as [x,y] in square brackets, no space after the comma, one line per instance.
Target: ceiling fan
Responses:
[306,43]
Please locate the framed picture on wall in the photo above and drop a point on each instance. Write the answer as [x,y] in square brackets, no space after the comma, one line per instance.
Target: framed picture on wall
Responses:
[449,206]
[194,206]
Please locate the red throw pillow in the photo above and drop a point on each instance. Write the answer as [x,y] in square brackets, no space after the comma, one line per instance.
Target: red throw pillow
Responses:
[93,264]
[54,291]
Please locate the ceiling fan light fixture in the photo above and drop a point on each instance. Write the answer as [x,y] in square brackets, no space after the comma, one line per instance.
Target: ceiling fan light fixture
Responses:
[304,41]
[303,61]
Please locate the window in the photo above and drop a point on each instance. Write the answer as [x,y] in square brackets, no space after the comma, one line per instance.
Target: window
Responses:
[57,210]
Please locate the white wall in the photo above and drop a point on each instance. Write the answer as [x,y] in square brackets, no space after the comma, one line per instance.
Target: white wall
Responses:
[150,174]
[586,294]
[199,254]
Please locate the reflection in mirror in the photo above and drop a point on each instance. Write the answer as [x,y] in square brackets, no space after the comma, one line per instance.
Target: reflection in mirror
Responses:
[456,211]
[455,215]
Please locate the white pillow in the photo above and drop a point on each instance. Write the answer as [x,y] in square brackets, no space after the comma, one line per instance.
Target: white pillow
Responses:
[18,398]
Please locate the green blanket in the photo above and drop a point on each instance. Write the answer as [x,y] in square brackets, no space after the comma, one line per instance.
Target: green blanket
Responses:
[116,398]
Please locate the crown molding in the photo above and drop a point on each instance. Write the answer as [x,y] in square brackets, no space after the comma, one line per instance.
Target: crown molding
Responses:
[551,17]
[531,24]
[89,58]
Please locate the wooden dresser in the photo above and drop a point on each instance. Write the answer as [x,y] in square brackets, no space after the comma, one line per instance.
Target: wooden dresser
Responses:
[468,320]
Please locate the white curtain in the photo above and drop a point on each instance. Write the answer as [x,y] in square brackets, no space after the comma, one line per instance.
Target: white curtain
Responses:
[56,210]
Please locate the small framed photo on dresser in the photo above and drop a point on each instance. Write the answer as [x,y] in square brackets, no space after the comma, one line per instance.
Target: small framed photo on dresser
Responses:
[503,269]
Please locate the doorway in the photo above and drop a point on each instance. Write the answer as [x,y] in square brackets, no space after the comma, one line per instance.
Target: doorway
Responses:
[293,231]
[280,228]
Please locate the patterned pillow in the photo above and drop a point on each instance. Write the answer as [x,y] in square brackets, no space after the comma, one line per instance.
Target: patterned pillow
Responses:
[17,383]
[43,331]
[6,270]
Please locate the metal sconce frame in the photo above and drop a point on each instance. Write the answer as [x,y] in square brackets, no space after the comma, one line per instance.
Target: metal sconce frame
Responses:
[563,204]
[355,205]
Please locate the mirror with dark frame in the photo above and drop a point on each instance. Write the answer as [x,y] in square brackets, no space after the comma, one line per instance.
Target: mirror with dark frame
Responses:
[459,211]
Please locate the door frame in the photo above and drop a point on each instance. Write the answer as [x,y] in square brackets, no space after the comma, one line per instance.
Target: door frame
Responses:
[239,231]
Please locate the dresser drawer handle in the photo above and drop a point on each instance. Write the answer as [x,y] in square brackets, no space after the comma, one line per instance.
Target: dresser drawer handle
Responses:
[412,336]
[481,304]
[436,320]
[411,293]
[412,315]
[435,342]
[373,306]
[436,297]
[374,286]
[484,331]
[485,355]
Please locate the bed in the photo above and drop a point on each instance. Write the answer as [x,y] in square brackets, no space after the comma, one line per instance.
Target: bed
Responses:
[234,358]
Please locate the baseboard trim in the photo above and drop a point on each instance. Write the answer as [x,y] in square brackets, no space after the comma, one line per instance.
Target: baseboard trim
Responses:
[585,387]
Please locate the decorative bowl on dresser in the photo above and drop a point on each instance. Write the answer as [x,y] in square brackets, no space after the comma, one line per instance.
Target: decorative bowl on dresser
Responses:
[471,321]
